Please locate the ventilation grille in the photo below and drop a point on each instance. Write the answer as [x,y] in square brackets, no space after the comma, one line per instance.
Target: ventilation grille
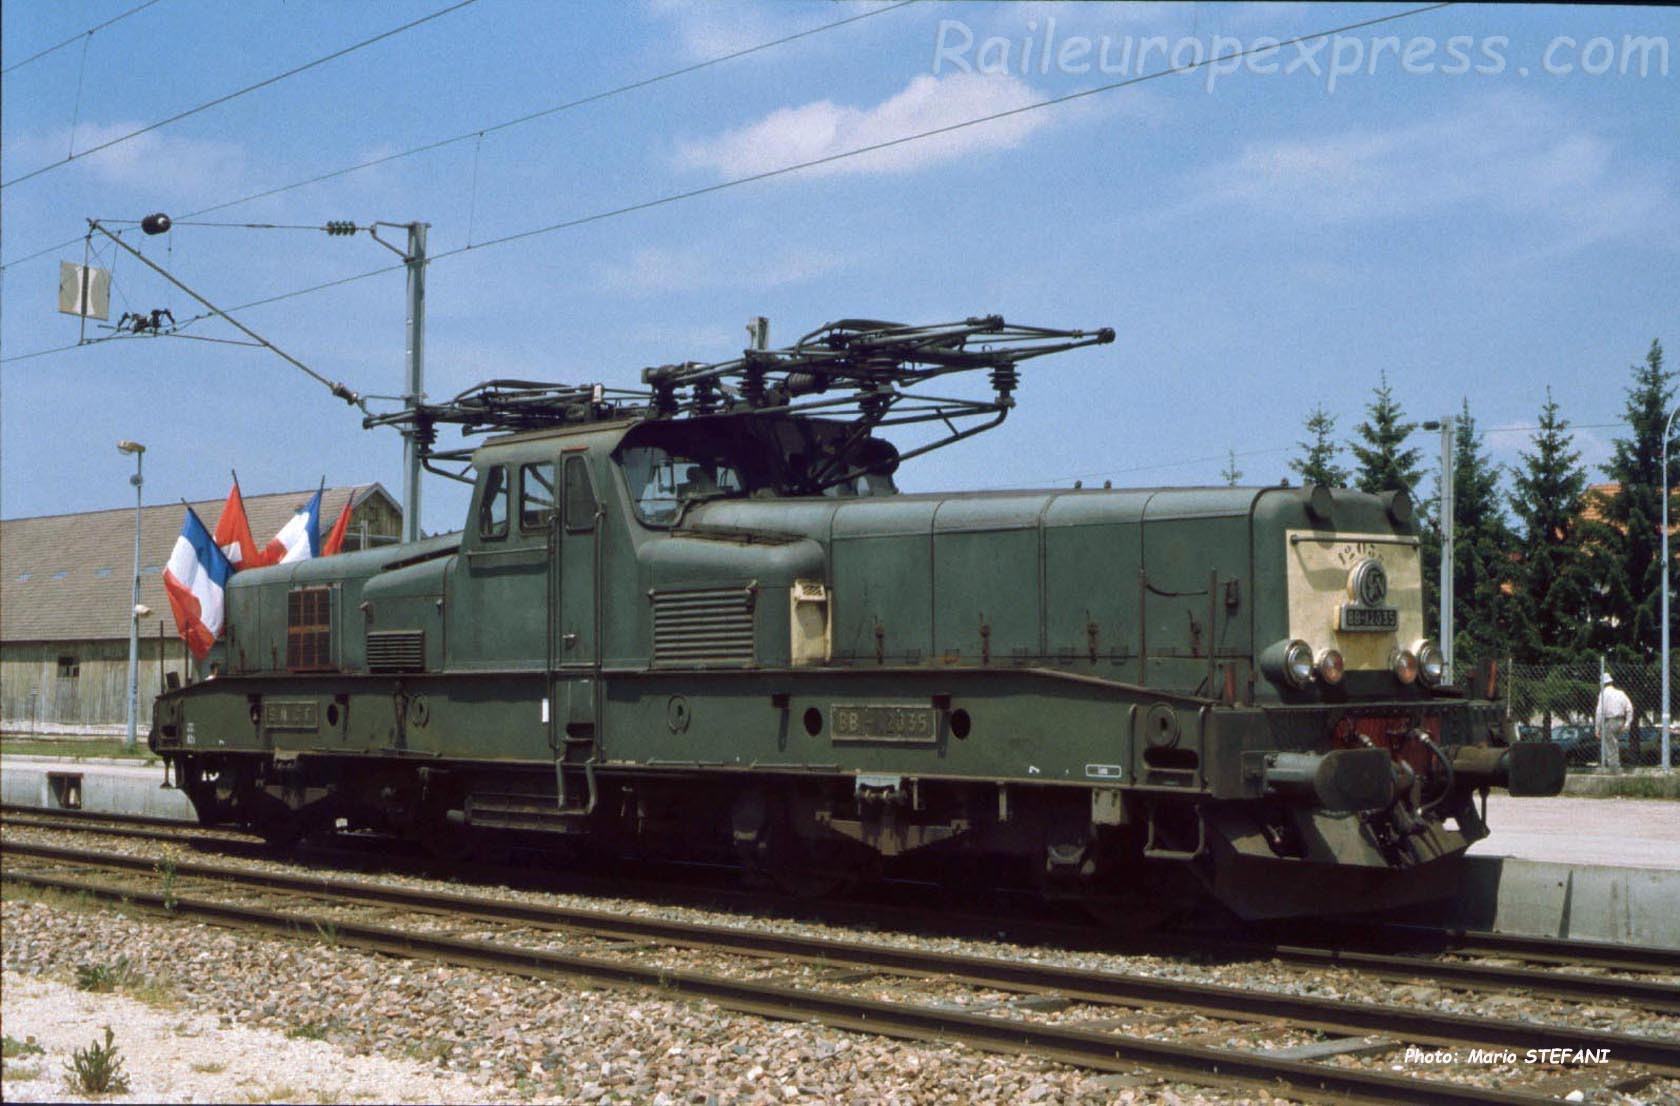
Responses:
[711,626]
[396,650]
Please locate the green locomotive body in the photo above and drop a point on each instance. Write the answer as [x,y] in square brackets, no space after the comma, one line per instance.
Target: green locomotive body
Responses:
[647,636]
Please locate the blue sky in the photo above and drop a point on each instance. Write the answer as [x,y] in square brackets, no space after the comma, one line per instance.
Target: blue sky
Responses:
[1479,202]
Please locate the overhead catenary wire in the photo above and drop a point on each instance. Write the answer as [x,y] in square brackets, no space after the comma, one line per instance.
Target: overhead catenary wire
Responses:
[234,95]
[768,174]
[39,54]
[529,117]
[827,159]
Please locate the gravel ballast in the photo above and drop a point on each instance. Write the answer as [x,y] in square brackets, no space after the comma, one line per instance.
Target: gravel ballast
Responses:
[307,1021]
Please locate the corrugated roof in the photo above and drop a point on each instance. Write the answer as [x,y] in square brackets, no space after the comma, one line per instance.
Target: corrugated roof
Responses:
[69,577]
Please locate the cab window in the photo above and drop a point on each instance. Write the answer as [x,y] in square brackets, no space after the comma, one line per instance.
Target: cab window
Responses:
[493,507]
[580,496]
[536,495]
[659,481]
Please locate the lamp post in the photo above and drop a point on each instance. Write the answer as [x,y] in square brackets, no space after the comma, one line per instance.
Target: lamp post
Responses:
[139,452]
[1668,429]
[1445,426]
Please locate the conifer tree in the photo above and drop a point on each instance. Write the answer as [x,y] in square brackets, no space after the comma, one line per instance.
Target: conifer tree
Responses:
[1232,474]
[1385,464]
[1317,463]
[1626,545]
[1553,588]
[1482,541]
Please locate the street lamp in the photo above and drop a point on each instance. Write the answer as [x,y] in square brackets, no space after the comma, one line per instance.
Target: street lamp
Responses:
[1668,429]
[1445,426]
[135,609]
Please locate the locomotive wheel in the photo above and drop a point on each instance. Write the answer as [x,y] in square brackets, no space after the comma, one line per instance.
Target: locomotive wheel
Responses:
[447,842]
[1128,914]
[772,852]
[807,872]
[282,832]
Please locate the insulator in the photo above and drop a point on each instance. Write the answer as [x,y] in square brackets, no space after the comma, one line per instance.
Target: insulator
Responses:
[156,223]
[752,385]
[705,397]
[664,397]
[338,228]
[800,384]
[1005,378]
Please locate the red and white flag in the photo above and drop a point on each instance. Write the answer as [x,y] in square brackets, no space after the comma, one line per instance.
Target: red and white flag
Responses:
[233,533]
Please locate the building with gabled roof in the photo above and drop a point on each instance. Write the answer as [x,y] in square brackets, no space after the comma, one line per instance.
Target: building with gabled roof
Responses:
[66,588]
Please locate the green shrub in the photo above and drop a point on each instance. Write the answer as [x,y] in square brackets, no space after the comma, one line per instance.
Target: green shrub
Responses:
[105,977]
[97,1069]
[11,1048]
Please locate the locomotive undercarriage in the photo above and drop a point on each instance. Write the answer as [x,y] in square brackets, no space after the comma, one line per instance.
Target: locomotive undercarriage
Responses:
[1136,854]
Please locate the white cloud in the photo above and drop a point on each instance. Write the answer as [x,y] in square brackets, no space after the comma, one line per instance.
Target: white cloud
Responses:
[823,128]
[1509,155]
[711,30]
[166,166]
[657,271]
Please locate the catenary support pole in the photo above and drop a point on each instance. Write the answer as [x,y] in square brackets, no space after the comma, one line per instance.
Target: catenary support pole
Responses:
[1447,525]
[415,393]
[1668,430]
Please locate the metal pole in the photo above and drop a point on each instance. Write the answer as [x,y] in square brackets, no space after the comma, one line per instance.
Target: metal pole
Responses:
[134,609]
[1447,524]
[1668,429]
[416,390]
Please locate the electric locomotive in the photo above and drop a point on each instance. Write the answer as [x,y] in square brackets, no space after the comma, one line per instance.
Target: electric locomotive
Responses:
[699,619]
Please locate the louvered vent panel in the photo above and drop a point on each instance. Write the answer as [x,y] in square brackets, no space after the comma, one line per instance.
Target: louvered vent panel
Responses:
[712,626]
[396,650]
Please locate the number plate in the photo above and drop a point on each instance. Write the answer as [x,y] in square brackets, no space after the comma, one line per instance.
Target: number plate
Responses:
[1369,619]
[284,714]
[891,725]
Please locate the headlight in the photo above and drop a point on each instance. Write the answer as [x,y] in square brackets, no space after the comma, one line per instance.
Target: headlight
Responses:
[1289,662]
[1330,667]
[1432,663]
[1405,665]
[1298,663]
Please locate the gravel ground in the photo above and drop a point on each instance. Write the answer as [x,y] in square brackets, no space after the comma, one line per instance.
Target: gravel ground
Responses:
[523,1041]
[307,1021]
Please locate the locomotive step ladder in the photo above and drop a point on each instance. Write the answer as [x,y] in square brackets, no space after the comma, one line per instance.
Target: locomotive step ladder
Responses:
[574,772]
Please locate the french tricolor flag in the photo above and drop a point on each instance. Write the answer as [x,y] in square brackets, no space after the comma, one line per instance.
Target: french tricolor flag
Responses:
[196,579]
[300,538]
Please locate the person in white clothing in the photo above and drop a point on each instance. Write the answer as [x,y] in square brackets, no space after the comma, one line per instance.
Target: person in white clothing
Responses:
[1615,713]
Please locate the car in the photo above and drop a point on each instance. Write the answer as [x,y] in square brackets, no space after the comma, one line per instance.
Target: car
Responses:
[1578,743]
[1650,748]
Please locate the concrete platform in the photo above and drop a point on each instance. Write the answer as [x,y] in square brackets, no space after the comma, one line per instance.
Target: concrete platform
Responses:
[1626,833]
[1596,869]
[103,785]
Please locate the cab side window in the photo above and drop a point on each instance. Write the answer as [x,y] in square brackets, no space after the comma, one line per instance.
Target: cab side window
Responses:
[580,496]
[536,495]
[493,508]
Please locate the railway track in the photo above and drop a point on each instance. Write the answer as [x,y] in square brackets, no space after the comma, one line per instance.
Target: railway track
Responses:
[63,869]
[1387,951]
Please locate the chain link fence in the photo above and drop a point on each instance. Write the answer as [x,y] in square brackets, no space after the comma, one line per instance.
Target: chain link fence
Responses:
[1559,702]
